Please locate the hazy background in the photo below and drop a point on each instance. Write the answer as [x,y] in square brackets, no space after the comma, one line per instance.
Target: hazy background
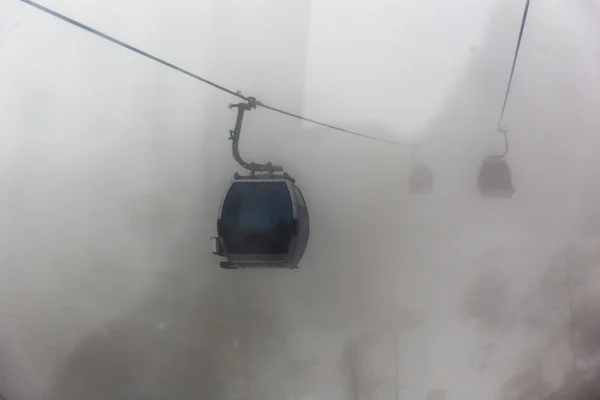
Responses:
[112,168]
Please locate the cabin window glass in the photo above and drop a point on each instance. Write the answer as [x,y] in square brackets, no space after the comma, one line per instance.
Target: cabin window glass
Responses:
[256,217]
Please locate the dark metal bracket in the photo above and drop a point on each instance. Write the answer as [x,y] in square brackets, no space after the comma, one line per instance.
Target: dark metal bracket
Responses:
[234,136]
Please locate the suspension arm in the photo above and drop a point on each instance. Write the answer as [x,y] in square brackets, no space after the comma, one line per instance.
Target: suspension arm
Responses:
[235,138]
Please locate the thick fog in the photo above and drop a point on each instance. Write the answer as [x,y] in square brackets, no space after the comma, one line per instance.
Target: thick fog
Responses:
[112,168]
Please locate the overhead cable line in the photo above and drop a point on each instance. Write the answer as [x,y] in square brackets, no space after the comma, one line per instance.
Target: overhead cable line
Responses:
[197,77]
[332,126]
[128,47]
[512,72]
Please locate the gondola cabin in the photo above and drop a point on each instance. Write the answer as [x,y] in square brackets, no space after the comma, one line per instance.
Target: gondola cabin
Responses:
[495,179]
[263,223]
[420,180]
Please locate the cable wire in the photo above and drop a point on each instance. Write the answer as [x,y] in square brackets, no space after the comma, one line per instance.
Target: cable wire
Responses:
[190,74]
[128,47]
[258,103]
[512,72]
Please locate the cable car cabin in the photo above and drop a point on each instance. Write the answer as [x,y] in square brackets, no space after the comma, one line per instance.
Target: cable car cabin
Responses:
[262,223]
[420,180]
[495,179]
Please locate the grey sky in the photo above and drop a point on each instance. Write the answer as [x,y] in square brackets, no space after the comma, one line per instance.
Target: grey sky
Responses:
[393,62]
[79,112]
[390,61]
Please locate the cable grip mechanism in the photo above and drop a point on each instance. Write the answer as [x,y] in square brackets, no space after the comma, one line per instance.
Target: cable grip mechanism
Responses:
[234,136]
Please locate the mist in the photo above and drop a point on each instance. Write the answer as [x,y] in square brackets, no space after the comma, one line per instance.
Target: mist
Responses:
[112,168]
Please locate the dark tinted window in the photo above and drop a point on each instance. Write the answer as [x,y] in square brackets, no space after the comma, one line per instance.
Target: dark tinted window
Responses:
[256,218]
[495,174]
[259,205]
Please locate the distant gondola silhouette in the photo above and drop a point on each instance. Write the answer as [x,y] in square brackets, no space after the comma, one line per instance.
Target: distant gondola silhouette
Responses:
[495,179]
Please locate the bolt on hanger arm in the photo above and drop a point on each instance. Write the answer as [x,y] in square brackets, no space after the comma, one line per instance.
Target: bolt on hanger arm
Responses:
[234,136]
